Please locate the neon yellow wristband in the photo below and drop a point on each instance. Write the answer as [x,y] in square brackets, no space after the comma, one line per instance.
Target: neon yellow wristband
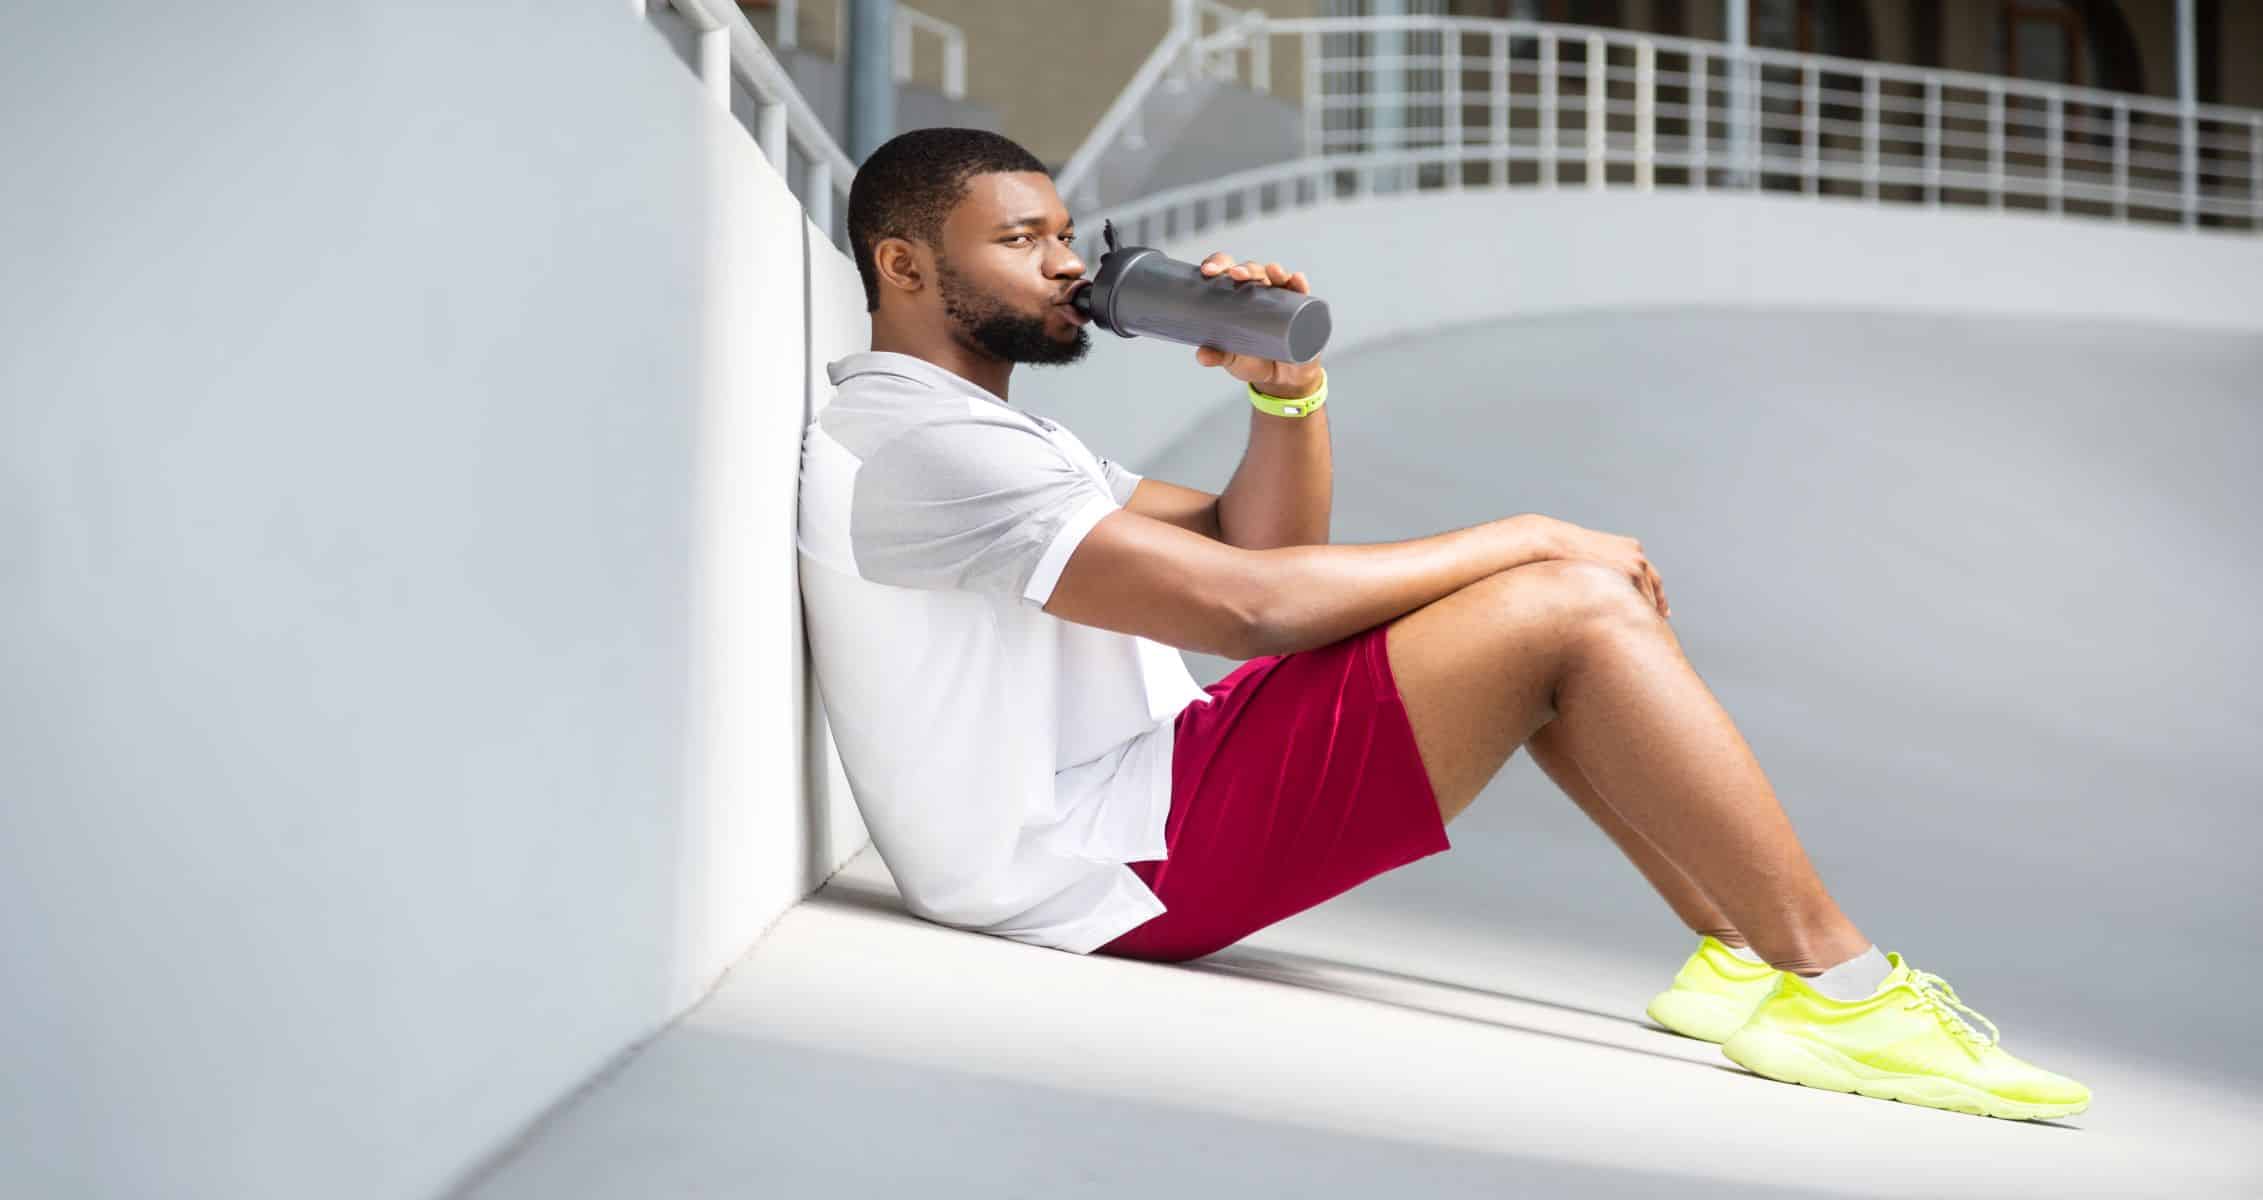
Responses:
[1301,407]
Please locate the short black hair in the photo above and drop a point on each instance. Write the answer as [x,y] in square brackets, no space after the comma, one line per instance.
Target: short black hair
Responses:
[908,187]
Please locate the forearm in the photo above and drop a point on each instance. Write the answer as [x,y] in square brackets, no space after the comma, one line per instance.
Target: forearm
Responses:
[1281,493]
[1317,594]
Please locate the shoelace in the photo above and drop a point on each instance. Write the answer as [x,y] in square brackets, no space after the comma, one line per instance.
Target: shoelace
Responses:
[1934,993]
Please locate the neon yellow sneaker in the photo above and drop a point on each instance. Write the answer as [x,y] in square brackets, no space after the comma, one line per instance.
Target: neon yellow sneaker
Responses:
[1713,994]
[1903,1043]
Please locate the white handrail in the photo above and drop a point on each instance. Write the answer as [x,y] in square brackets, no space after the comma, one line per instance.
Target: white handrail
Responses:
[1071,183]
[1617,108]
[907,24]
[729,48]
[910,23]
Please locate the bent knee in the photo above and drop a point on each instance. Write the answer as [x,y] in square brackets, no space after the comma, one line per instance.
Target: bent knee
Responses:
[1580,591]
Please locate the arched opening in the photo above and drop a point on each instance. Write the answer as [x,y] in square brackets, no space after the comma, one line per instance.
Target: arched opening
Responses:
[2085,43]
[1835,28]
[2078,43]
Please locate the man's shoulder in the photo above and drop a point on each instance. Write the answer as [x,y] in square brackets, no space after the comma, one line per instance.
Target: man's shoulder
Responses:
[918,425]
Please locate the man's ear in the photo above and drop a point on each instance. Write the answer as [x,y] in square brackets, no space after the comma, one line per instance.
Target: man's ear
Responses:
[899,264]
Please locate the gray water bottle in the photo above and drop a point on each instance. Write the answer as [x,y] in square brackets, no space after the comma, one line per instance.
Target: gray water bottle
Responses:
[1141,290]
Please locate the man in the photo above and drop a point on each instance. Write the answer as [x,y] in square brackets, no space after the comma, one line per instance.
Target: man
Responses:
[994,611]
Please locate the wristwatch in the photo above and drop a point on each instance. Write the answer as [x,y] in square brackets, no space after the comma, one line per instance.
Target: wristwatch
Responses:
[1303,406]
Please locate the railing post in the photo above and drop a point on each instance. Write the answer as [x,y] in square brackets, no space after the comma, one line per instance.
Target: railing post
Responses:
[2188,119]
[1753,148]
[789,24]
[1995,145]
[1595,96]
[715,64]
[1314,114]
[954,68]
[1810,128]
[1548,102]
[1736,68]
[1386,105]
[900,33]
[2121,160]
[820,199]
[770,133]
[1932,140]
[1498,119]
[1260,54]
[1700,125]
[1453,72]
[2255,172]
[2057,156]
[1645,114]
[1871,133]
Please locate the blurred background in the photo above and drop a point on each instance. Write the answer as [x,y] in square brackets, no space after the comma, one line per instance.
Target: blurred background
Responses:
[412,779]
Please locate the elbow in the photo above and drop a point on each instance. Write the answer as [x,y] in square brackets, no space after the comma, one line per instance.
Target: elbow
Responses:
[1258,640]
[1257,623]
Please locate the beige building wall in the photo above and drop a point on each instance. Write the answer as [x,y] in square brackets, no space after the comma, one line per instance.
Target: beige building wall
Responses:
[1048,68]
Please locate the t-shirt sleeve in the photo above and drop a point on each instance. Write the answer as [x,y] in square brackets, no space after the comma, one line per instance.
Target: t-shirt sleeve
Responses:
[1120,481]
[983,506]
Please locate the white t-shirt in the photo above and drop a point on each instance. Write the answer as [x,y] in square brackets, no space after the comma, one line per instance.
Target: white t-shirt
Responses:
[1007,763]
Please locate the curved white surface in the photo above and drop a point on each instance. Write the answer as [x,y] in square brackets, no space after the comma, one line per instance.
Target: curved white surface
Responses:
[1978,591]
[1413,266]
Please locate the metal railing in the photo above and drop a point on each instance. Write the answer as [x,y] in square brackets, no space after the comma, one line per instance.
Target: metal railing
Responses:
[1489,102]
[908,25]
[730,50]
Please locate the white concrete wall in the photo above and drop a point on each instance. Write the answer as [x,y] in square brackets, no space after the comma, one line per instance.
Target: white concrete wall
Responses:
[403,704]
[1416,264]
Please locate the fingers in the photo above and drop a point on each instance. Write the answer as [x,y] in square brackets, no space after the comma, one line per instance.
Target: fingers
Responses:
[1211,356]
[1223,263]
[1266,274]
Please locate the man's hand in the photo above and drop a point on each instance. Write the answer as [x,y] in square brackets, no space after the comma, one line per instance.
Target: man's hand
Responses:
[1288,381]
[1566,540]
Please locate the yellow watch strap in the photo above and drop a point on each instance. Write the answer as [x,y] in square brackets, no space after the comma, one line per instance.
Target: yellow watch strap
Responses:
[1301,407]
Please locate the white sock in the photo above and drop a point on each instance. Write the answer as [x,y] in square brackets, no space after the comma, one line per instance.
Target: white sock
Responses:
[1745,953]
[1855,979]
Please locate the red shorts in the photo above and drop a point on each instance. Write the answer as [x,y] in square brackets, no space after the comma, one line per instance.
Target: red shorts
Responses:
[1297,780]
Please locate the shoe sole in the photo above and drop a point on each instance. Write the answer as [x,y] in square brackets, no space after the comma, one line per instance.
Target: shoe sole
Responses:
[1790,1059]
[1698,1015]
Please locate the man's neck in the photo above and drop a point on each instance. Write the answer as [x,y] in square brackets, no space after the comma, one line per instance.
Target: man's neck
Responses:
[967,363]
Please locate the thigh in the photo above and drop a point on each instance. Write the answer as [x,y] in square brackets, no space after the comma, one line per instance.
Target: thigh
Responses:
[1296,781]
[1477,669]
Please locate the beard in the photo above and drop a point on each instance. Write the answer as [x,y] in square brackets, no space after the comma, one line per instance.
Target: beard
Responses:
[1013,336]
